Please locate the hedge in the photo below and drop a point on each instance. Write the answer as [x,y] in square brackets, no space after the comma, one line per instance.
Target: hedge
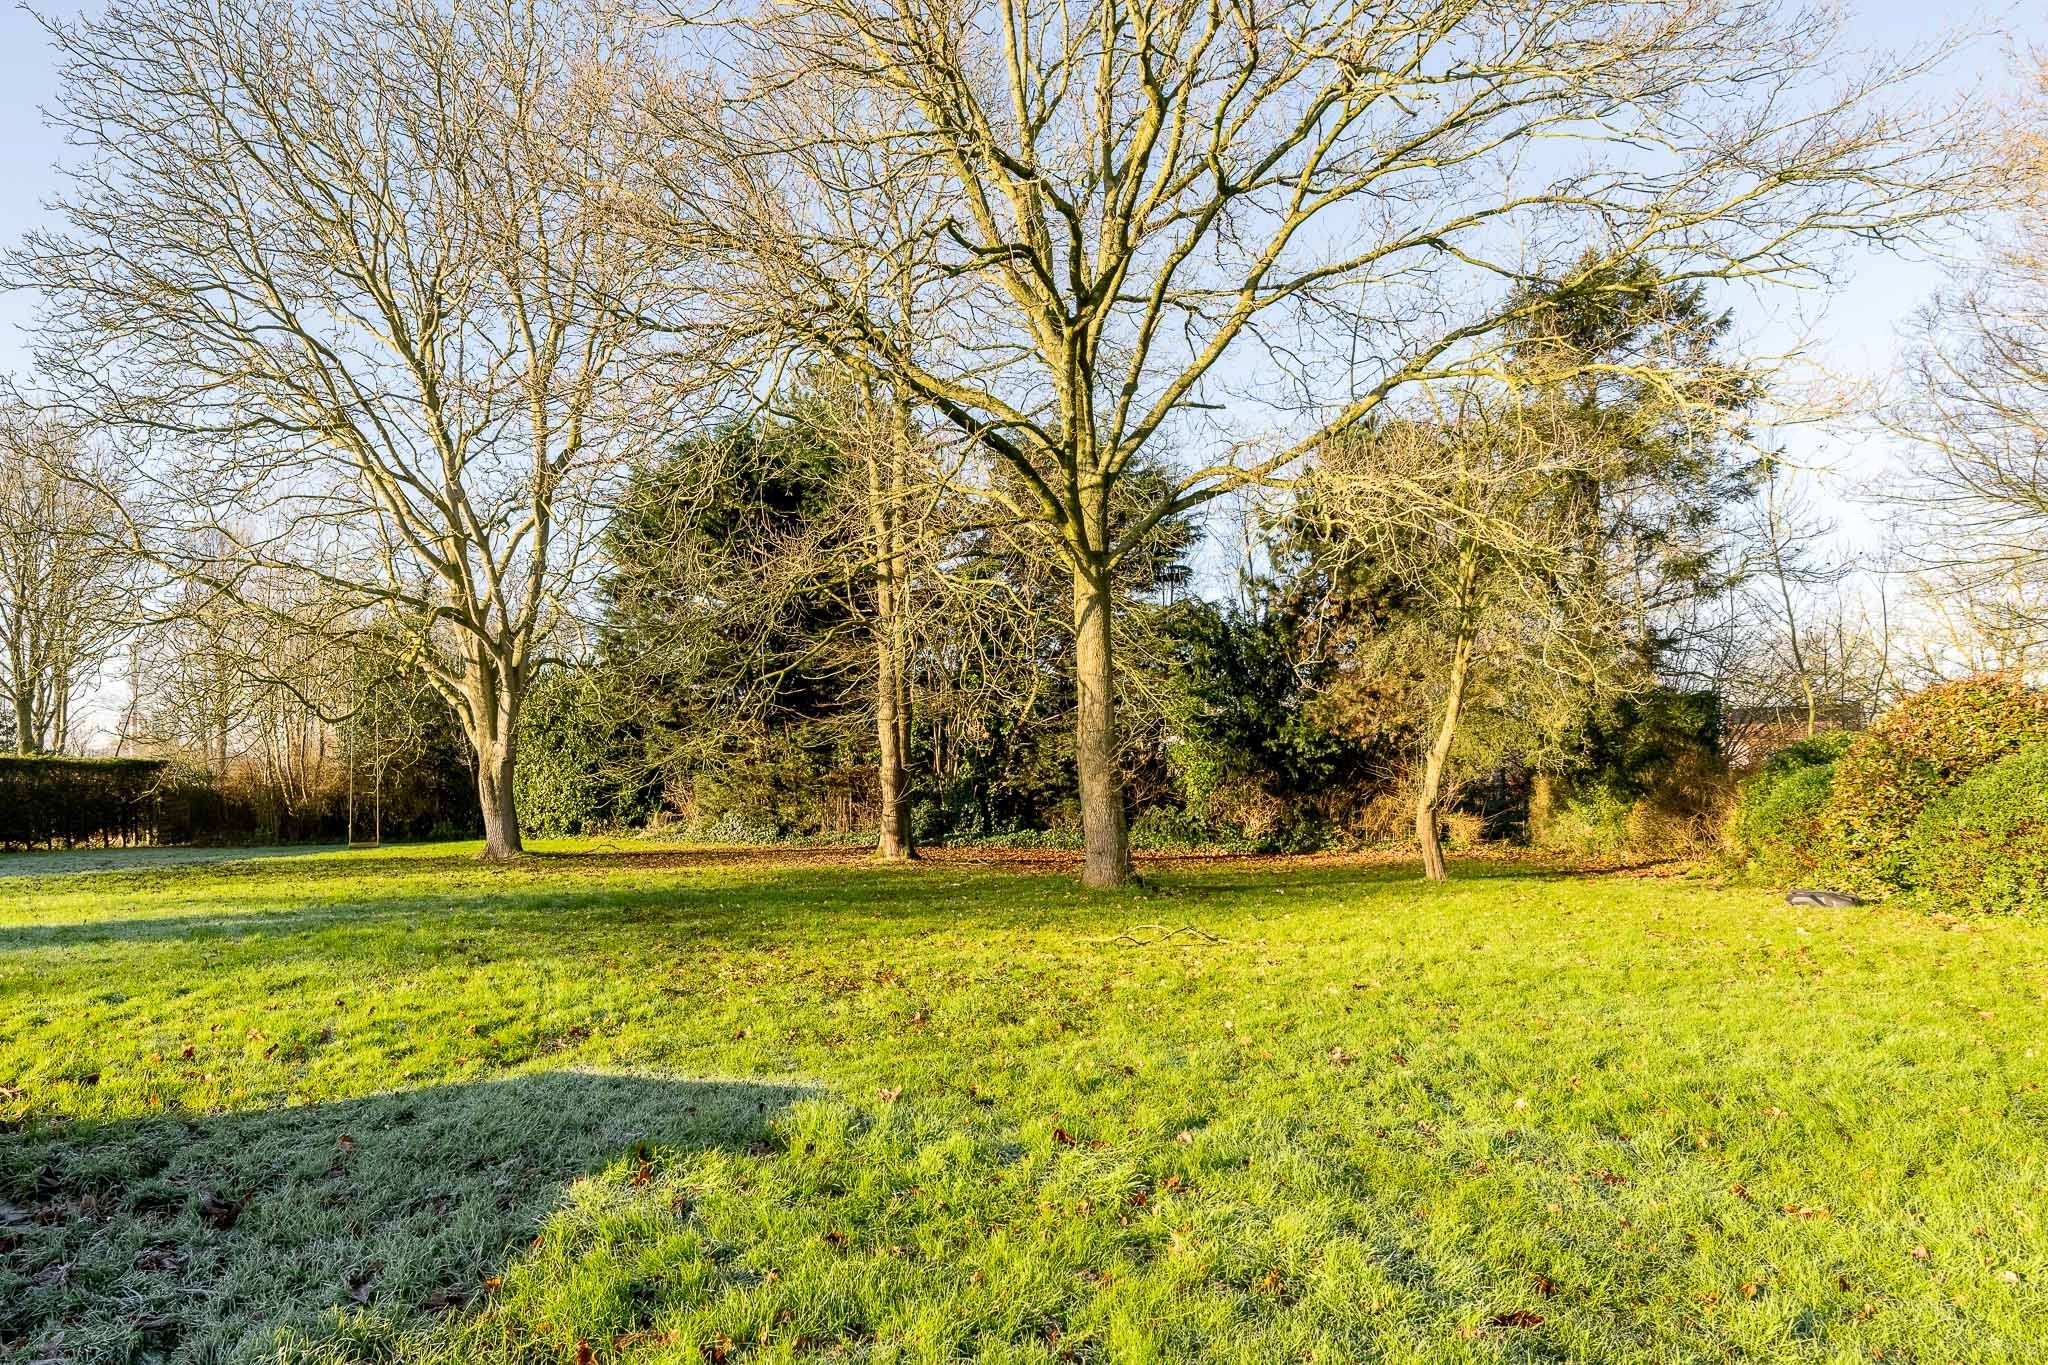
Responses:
[1918,751]
[71,801]
[1776,826]
[1984,846]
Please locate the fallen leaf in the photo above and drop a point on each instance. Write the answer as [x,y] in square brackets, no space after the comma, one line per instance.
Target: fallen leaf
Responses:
[1515,1317]
[219,1212]
[159,1257]
[1918,1253]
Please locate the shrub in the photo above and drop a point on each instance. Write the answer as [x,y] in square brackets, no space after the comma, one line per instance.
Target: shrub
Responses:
[577,772]
[1922,748]
[1682,811]
[1170,829]
[1643,778]
[53,800]
[1777,822]
[1984,846]
[1591,822]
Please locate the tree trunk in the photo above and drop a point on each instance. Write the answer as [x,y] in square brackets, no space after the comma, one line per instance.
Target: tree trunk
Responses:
[888,491]
[1108,858]
[1542,805]
[1431,790]
[59,722]
[494,766]
[892,731]
[493,722]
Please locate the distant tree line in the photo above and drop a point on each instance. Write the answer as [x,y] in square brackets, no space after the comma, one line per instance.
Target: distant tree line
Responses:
[822,425]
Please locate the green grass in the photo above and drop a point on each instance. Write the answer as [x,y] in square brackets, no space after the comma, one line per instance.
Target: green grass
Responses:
[684,1108]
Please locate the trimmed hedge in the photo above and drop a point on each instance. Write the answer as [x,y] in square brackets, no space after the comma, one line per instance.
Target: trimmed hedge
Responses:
[47,801]
[1776,826]
[1918,751]
[1984,846]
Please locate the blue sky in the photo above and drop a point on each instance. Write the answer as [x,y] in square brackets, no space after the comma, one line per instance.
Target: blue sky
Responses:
[1858,327]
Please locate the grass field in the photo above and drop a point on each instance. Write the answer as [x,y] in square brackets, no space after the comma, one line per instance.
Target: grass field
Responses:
[683,1107]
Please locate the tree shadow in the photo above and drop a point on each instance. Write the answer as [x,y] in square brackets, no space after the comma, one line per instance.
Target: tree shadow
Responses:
[319,901]
[205,1238]
[148,858]
[767,908]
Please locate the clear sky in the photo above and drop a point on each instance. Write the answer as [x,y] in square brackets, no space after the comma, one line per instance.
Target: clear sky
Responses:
[1855,328]
[1858,328]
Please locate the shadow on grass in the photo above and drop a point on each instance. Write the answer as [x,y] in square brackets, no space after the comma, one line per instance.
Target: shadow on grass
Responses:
[79,861]
[769,908]
[205,1238]
[815,894]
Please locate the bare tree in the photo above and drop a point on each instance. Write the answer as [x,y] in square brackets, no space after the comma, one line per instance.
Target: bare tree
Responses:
[1243,226]
[350,273]
[1965,621]
[1469,513]
[1787,570]
[892,495]
[1976,411]
[66,583]
[197,666]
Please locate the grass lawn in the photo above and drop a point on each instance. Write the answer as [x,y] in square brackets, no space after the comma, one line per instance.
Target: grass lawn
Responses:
[648,1106]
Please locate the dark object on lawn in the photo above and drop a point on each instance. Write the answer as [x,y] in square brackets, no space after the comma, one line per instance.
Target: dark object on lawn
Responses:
[1833,900]
[220,1212]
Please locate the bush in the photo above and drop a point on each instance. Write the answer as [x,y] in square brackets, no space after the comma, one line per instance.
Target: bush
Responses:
[53,800]
[577,772]
[1682,812]
[1643,778]
[1918,751]
[1592,823]
[1984,846]
[1170,829]
[1776,827]
[1463,829]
